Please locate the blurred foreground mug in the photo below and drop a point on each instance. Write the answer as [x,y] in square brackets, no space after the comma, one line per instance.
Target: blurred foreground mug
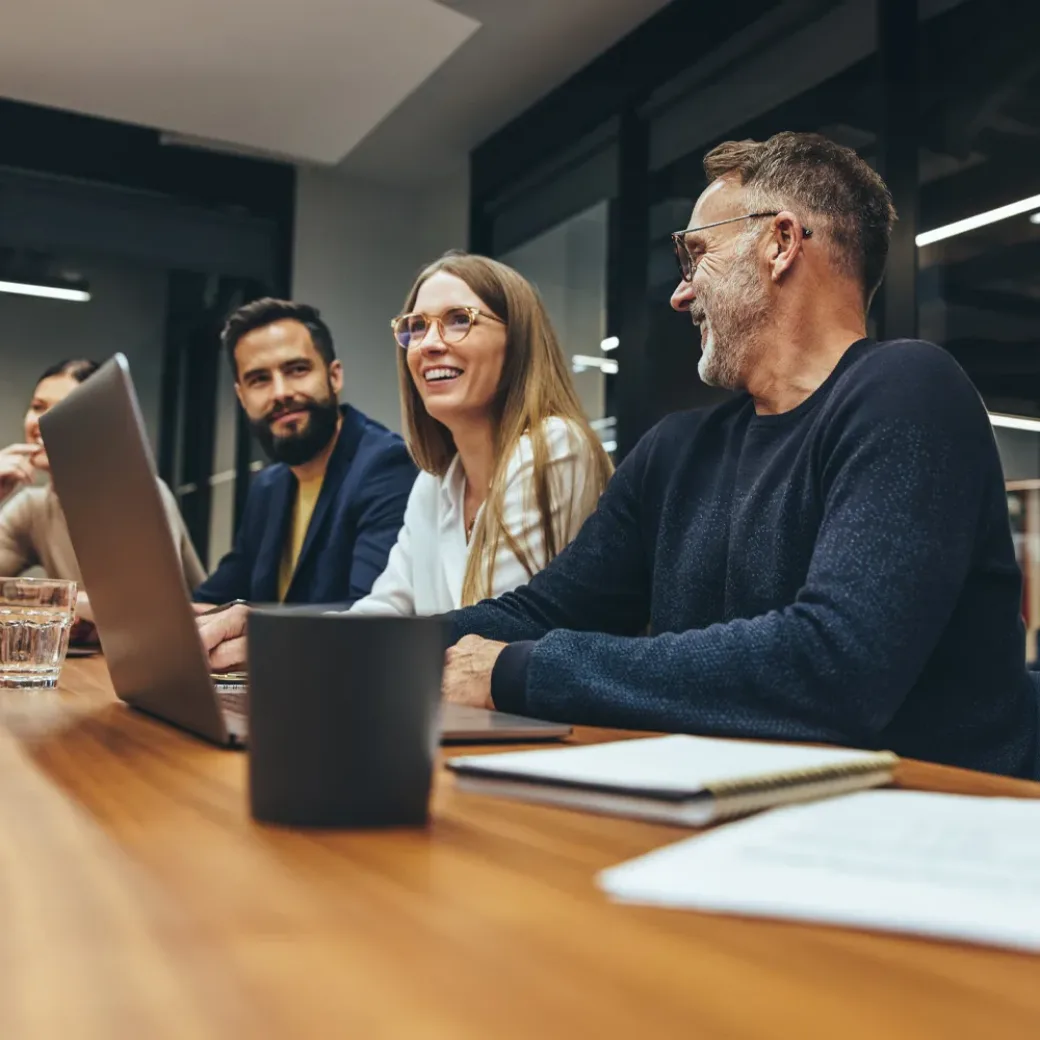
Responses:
[343,717]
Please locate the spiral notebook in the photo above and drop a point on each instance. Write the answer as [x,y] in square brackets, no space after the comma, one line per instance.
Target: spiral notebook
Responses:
[690,781]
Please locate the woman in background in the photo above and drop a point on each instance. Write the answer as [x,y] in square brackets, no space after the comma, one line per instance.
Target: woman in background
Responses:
[511,467]
[33,532]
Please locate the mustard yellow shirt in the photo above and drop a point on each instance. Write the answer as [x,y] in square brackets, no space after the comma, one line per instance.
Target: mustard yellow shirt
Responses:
[307,492]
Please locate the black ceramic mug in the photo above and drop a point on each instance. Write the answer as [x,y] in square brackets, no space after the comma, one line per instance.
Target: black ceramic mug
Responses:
[343,714]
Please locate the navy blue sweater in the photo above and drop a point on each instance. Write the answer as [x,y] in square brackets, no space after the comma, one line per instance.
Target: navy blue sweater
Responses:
[843,573]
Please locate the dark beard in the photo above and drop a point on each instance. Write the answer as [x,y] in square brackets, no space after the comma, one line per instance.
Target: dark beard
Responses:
[295,449]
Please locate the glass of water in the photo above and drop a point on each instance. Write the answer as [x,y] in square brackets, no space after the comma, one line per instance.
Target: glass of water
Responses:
[35,619]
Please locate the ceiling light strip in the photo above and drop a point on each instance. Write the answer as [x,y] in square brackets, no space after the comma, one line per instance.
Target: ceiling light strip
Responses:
[959,227]
[1015,422]
[581,362]
[49,292]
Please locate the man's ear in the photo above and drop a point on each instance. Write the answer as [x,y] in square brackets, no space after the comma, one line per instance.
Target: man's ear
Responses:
[785,245]
[238,392]
[336,376]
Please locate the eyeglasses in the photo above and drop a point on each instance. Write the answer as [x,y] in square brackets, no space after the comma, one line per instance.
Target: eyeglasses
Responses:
[687,262]
[454,325]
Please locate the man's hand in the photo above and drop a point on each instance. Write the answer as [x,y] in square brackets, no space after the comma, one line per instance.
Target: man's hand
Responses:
[223,637]
[16,468]
[467,671]
[82,633]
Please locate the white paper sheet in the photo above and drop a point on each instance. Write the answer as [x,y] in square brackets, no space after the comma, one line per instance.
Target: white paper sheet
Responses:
[945,866]
[676,763]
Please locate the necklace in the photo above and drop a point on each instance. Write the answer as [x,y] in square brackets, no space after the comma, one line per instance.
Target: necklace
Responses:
[471,526]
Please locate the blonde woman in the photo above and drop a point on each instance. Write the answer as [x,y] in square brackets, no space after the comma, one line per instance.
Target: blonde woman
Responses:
[510,466]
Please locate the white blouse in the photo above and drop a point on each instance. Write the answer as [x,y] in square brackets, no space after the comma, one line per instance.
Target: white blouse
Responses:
[427,565]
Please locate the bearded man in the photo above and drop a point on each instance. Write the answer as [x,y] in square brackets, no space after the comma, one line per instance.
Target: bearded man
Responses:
[824,557]
[319,524]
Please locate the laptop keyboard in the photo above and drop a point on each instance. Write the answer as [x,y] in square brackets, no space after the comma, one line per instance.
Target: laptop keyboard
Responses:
[234,701]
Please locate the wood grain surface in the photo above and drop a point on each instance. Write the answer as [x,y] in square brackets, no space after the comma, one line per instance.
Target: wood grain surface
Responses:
[140,900]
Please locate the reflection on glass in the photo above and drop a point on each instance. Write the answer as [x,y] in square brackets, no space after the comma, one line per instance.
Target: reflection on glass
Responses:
[1020,456]
[568,264]
[979,288]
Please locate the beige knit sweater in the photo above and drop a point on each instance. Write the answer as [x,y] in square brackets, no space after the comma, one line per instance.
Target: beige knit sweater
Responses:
[33,533]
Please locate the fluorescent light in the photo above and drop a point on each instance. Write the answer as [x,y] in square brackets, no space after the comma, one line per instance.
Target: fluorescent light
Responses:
[609,446]
[581,362]
[958,227]
[1035,218]
[50,292]
[610,343]
[1015,422]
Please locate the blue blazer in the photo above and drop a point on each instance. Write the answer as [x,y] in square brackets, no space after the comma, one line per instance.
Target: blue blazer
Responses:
[356,521]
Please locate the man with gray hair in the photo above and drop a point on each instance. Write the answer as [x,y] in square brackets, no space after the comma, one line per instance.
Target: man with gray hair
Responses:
[824,557]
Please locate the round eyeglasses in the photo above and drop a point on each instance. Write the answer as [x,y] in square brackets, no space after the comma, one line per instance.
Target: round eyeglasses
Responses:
[454,325]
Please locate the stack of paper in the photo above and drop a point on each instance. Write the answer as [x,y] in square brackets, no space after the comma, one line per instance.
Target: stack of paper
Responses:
[947,866]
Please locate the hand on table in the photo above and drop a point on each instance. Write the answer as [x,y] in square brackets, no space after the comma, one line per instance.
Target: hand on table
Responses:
[83,629]
[223,636]
[467,671]
[83,632]
[16,468]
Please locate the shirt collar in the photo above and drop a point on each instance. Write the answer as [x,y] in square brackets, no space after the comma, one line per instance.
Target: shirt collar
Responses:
[453,483]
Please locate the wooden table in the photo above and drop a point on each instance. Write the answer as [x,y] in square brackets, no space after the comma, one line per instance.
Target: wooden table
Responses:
[140,900]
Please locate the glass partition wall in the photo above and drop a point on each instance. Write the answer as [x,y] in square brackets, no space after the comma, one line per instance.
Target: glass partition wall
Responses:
[950,115]
[568,265]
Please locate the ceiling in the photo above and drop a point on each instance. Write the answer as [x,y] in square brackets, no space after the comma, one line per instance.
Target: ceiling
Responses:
[306,80]
[523,49]
[394,90]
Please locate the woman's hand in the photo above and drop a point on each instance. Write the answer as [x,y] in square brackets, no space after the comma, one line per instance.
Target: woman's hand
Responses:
[16,468]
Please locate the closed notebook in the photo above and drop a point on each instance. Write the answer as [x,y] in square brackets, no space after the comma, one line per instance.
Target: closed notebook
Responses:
[691,781]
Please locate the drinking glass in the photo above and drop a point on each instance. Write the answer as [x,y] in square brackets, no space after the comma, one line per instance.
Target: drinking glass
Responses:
[36,616]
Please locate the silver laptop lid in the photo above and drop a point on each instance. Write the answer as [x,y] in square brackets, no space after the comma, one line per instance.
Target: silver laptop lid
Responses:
[105,479]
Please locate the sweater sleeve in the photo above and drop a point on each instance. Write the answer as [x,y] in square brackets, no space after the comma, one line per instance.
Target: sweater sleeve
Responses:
[17,551]
[904,470]
[600,582]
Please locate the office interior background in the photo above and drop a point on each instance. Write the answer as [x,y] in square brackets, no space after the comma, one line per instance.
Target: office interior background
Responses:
[194,159]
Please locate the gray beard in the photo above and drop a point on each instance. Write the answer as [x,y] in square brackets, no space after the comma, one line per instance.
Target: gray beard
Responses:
[736,312]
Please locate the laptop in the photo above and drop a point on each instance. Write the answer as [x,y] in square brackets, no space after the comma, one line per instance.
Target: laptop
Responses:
[104,475]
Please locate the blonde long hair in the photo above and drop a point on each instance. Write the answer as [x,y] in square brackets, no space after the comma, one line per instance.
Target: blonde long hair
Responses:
[535,386]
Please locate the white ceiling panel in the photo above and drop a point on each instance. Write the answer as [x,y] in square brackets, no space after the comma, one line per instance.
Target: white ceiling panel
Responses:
[307,79]
[524,49]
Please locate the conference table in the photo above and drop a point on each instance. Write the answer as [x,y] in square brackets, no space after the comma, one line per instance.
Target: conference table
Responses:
[140,900]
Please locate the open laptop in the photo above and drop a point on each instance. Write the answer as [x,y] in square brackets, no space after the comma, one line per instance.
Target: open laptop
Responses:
[104,475]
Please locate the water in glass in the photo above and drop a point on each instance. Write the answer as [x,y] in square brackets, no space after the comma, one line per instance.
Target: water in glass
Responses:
[36,616]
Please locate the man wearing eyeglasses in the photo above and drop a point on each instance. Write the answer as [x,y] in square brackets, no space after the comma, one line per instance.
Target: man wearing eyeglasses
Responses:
[824,557]
[319,524]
